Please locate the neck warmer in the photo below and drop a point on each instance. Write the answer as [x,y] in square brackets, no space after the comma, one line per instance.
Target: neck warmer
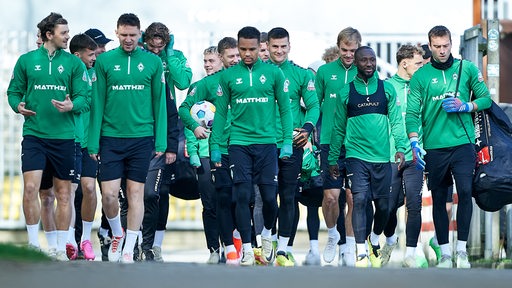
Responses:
[442,66]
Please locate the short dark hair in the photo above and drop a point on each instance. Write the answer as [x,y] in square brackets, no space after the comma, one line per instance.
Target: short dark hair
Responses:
[428,53]
[128,19]
[278,33]
[157,30]
[407,51]
[439,31]
[358,50]
[249,32]
[263,37]
[48,24]
[81,42]
[226,43]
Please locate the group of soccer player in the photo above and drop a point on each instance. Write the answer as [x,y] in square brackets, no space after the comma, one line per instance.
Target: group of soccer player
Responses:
[114,118]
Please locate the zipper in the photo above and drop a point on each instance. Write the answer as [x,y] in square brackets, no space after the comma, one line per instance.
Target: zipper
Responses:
[250,76]
[129,62]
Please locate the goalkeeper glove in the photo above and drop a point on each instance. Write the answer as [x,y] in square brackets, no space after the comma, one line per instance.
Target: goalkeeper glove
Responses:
[453,104]
[417,153]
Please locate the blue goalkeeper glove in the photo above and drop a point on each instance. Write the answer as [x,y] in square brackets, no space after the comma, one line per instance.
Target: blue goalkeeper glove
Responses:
[215,156]
[286,151]
[169,50]
[195,161]
[453,104]
[417,153]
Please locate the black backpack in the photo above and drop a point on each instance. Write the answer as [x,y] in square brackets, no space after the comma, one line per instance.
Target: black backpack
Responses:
[492,183]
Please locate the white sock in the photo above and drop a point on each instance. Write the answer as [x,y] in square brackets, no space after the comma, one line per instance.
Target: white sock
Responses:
[410,251]
[343,248]
[361,249]
[103,232]
[351,244]
[71,236]
[236,234]
[374,238]
[461,245]
[139,238]
[159,238]
[131,238]
[86,230]
[246,247]
[332,232]
[258,240]
[62,239]
[282,243]
[289,249]
[391,240]
[313,246]
[51,238]
[446,249]
[274,237]
[115,225]
[266,233]
[33,235]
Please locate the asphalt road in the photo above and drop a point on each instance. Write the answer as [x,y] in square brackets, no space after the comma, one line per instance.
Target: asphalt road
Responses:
[175,274]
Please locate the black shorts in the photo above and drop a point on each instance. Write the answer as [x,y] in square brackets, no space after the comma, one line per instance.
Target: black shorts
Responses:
[329,182]
[56,156]
[374,179]
[256,163]
[89,166]
[125,157]
[221,176]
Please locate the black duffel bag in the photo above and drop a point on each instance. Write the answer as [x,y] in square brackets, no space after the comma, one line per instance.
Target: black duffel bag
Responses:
[492,183]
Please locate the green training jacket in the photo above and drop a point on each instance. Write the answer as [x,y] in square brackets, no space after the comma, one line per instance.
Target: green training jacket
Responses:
[204,90]
[366,137]
[330,79]
[37,79]
[301,86]
[128,99]
[252,92]
[429,86]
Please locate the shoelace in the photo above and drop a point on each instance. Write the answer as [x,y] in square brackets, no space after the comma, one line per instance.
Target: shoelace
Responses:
[115,243]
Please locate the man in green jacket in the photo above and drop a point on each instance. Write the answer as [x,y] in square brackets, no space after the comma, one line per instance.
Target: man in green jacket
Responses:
[301,89]
[365,113]
[47,87]
[440,103]
[253,90]
[129,119]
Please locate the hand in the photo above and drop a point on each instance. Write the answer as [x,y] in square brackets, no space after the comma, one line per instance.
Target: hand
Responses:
[215,157]
[201,133]
[417,153]
[158,154]
[453,104]
[195,161]
[286,151]
[400,158]
[301,137]
[23,111]
[95,157]
[334,171]
[63,106]
[170,157]
[169,50]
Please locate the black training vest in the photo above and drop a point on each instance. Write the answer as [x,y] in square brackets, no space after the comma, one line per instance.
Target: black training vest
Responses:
[376,103]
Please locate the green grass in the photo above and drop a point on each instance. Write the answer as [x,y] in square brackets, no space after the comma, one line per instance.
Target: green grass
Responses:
[21,253]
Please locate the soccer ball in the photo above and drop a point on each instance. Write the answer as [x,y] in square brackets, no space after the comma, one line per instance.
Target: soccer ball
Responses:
[203,112]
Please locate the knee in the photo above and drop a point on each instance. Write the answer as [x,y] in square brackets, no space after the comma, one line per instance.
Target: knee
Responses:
[331,199]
